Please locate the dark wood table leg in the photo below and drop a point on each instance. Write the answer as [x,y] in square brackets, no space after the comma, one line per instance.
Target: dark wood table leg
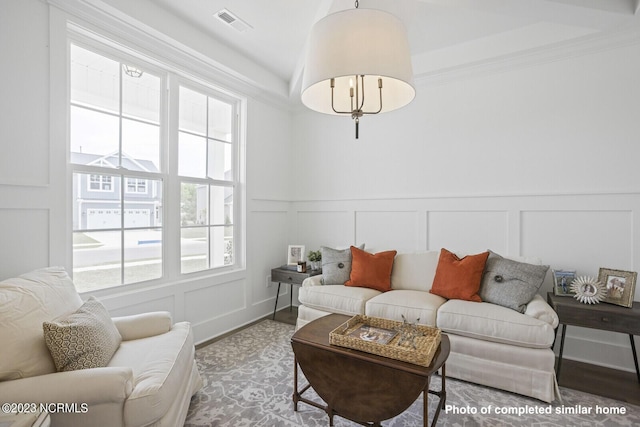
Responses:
[296,396]
[635,356]
[425,404]
[442,395]
[275,307]
[291,297]
[564,330]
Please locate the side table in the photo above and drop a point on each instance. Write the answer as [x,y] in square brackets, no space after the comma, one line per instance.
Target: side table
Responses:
[284,275]
[603,316]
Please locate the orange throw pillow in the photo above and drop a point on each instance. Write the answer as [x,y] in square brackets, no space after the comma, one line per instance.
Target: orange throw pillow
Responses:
[459,278]
[371,270]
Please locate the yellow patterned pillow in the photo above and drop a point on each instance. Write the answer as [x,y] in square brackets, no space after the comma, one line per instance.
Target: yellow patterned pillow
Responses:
[84,339]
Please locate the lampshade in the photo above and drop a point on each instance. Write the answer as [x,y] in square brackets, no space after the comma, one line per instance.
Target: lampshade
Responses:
[359,42]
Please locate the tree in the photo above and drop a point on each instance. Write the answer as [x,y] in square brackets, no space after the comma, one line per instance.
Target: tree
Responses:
[188,204]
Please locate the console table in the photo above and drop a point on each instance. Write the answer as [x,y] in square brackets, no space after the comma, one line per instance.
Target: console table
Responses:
[603,316]
[284,275]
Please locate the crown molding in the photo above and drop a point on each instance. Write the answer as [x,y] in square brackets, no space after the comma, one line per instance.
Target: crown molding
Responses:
[96,14]
[586,45]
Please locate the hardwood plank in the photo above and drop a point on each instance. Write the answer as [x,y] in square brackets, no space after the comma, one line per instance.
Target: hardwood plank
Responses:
[601,381]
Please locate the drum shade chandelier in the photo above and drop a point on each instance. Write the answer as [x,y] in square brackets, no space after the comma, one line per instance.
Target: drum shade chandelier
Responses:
[358,63]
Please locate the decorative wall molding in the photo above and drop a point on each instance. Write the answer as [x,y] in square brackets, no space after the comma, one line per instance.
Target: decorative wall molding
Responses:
[96,17]
[579,231]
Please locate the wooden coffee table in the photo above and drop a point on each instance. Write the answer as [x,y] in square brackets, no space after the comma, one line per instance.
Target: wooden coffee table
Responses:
[361,387]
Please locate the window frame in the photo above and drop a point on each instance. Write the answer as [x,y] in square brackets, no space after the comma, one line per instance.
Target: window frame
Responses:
[171,78]
[101,183]
[137,182]
[234,183]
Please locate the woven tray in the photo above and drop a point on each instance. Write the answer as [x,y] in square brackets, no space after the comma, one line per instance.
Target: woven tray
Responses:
[425,345]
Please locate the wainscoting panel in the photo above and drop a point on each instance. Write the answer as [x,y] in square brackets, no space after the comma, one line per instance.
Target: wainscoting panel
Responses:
[212,302]
[23,231]
[384,230]
[325,228]
[579,240]
[267,228]
[572,231]
[144,305]
[468,232]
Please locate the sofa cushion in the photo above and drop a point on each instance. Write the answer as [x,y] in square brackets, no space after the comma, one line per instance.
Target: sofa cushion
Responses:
[413,305]
[414,271]
[491,322]
[25,303]
[510,283]
[160,365]
[459,278]
[84,339]
[336,265]
[339,299]
[371,270]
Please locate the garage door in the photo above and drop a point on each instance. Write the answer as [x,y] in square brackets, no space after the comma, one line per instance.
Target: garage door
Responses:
[110,218]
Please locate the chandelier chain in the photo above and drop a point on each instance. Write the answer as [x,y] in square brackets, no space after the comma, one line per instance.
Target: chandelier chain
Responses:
[357,4]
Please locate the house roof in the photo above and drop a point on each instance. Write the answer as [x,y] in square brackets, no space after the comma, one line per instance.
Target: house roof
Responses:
[128,162]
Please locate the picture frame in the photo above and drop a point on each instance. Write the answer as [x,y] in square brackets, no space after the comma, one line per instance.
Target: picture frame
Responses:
[295,254]
[620,286]
[374,334]
[562,280]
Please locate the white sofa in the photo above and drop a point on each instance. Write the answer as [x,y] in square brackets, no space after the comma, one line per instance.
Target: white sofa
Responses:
[490,344]
[149,380]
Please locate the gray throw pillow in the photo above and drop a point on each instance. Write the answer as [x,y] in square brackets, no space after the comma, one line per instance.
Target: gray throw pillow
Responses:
[86,338]
[336,265]
[509,283]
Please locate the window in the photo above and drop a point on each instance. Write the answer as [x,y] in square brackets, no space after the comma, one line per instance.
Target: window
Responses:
[100,183]
[136,185]
[205,146]
[121,129]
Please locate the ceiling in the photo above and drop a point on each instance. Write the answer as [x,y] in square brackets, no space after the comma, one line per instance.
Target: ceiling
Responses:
[442,33]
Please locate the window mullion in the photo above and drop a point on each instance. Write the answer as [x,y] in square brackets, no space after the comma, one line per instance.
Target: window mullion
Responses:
[122,177]
[170,135]
[122,238]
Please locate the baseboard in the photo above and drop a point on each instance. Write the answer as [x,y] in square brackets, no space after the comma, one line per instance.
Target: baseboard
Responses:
[606,354]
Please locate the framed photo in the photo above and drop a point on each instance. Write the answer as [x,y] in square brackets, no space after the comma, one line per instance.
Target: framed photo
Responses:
[620,286]
[562,282]
[295,254]
[374,334]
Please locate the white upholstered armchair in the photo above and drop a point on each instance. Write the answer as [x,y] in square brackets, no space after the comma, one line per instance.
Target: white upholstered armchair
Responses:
[148,380]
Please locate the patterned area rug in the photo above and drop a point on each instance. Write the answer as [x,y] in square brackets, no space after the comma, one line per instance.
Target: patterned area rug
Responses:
[248,381]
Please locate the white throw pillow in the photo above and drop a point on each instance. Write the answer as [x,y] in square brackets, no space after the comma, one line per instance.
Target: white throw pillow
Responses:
[25,303]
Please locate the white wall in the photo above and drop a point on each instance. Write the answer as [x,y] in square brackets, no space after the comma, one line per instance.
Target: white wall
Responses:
[536,161]
[34,217]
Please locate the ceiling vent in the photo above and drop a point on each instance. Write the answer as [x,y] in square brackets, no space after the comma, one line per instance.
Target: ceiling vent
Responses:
[232,20]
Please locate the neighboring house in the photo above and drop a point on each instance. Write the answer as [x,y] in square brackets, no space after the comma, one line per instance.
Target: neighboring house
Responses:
[97,197]
[202,202]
